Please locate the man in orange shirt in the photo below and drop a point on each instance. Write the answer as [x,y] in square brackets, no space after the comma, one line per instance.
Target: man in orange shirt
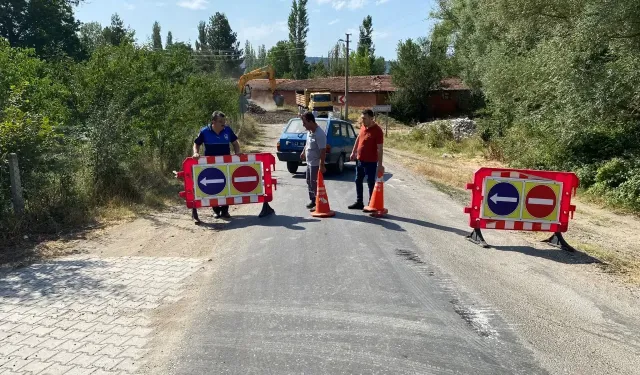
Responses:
[367,152]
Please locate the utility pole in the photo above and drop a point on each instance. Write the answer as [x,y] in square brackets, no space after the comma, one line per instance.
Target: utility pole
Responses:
[346,84]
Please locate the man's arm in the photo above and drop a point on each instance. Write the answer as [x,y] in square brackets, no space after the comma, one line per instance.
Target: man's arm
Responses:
[323,155]
[355,149]
[236,147]
[380,151]
[196,150]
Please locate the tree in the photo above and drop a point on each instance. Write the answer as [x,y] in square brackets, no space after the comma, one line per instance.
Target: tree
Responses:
[224,44]
[298,30]
[364,61]
[156,37]
[250,58]
[91,36]
[318,70]
[278,58]
[416,74]
[169,39]
[48,26]
[262,56]
[201,43]
[116,34]
[336,60]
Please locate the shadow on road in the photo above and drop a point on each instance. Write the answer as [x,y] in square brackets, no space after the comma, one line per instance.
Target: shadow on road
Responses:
[349,175]
[362,218]
[289,222]
[553,254]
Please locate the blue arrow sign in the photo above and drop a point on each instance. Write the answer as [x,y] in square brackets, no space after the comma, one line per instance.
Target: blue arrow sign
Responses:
[212,181]
[503,199]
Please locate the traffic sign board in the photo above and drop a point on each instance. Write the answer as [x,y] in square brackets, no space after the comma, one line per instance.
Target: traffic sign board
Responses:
[342,99]
[210,181]
[382,108]
[502,199]
[541,201]
[245,179]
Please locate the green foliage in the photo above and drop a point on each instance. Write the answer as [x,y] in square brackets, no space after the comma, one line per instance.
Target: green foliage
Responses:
[364,61]
[415,73]
[156,37]
[48,26]
[318,70]
[111,128]
[561,82]
[336,60]
[91,36]
[298,30]
[278,58]
[218,48]
[117,34]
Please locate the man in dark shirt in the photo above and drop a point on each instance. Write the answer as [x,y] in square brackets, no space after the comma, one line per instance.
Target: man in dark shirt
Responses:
[217,138]
[368,155]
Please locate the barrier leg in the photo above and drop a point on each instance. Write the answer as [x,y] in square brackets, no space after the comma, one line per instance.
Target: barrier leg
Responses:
[558,241]
[194,215]
[477,238]
[266,210]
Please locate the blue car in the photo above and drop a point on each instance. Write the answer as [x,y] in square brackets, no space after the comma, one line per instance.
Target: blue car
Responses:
[341,137]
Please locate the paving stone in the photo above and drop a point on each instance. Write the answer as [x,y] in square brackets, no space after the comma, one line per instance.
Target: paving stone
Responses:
[44,354]
[35,367]
[90,348]
[107,363]
[63,357]
[56,369]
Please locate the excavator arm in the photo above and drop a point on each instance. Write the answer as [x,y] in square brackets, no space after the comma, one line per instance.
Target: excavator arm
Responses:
[264,72]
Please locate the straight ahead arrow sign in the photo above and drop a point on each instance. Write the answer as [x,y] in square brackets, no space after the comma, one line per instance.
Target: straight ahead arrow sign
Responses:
[205,181]
[496,198]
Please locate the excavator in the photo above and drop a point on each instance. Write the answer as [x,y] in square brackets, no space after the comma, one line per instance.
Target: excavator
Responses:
[264,72]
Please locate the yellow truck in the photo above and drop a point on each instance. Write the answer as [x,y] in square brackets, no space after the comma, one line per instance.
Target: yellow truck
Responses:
[317,101]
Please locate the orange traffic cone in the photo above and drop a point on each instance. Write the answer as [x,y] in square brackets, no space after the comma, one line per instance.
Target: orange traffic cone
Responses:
[322,200]
[376,205]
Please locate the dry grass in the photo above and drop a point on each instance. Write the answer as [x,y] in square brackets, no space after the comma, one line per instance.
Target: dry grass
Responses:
[610,236]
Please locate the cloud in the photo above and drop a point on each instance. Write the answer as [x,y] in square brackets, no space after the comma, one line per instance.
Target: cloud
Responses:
[129,6]
[261,32]
[334,21]
[340,4]
[193,4]
[379,2]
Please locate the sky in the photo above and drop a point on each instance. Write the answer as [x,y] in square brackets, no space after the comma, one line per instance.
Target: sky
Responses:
[265,21]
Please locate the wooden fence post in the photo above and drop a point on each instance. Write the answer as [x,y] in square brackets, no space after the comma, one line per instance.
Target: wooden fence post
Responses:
[16,185]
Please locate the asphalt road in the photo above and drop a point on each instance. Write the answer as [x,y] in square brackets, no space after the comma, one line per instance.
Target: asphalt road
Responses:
[406,294]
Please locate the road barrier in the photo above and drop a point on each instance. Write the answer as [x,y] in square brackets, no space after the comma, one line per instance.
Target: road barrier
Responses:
[523,200]
[212,181]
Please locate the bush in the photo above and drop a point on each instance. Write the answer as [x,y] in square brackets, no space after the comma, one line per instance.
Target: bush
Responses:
[109,129]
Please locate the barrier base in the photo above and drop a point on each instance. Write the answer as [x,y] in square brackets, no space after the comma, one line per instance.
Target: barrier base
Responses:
[194,215]
[378,213]
[323,214]
[266,210]
[557,240]
[477,238]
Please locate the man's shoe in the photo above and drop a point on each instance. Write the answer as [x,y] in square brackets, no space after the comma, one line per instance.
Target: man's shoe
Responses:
[225,215]
[311,205]
[357,206]
[216,212]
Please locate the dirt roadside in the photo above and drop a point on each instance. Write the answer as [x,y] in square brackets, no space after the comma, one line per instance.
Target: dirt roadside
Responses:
[610,237]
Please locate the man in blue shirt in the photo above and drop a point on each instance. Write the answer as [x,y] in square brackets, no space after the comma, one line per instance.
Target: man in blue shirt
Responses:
[217,138]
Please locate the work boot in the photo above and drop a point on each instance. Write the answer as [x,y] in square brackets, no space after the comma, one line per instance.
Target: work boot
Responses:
[224,212]
[356,206]
[311,205]
[216,211]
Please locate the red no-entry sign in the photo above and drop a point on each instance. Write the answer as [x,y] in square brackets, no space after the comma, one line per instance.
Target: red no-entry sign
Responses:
[541,201]
[245,179]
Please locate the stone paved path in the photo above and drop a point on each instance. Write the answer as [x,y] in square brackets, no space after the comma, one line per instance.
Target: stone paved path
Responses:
[84,315]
